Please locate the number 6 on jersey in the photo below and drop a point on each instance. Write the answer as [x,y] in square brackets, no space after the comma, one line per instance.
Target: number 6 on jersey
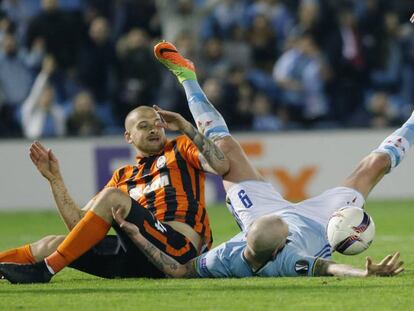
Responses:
[245,199]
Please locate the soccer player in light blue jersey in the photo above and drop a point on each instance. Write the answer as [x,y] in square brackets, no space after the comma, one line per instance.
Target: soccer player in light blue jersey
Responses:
[278,238]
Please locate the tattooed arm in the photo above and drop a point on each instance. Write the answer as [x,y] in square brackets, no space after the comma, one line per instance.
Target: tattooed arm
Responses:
[162,261]
[212,159]
[389,266]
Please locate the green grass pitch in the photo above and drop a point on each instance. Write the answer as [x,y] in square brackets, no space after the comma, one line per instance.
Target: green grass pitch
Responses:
[72,290]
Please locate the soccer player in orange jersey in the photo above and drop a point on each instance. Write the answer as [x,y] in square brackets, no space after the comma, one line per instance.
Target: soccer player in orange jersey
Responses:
[163,194]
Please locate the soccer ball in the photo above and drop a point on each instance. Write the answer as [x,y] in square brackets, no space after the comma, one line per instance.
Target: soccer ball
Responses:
[350,230]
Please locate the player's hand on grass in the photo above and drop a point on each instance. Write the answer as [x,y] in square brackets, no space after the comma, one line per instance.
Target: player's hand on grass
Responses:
[129,228]
[45,161]
[172,121]
[389,266]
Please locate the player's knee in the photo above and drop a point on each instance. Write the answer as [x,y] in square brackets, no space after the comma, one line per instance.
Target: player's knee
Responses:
[108,199]
[111,195]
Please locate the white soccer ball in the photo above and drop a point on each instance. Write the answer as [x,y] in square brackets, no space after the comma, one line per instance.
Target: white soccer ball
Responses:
[350,230]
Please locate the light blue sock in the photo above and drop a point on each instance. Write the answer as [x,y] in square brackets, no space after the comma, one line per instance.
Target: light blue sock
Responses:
[209,121]
[397,144]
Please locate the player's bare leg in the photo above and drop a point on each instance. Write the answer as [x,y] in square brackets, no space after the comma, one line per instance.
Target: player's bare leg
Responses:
[87,233]
[208,120]
[382,160]
[46,246]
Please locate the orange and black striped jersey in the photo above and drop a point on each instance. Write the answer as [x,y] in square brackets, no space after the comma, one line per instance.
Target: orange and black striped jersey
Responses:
[170,185]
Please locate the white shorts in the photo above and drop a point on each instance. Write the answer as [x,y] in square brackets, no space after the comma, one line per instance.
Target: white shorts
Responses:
[249,200]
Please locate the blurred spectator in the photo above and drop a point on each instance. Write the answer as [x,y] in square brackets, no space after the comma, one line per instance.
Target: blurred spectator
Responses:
[6,26]
[238,95]
[262,40]
[236,46]
[83,121]
[181,16]
[140,14]
[300,73]
[15,83]
[226,15]
[264,118]
[61,32]
[140,75]
[276,13]
[383,110]
[213,61]
[213,88]
[19,12]
[15,76]
[372,24]
[98,67]
[41,115]
[349,63]
[341,61]
[387,75]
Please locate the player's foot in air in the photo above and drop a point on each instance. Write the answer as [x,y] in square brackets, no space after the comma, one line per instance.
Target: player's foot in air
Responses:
[169,56]
[23,274]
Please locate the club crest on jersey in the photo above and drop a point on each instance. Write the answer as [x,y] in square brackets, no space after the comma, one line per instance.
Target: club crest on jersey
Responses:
[161,161]
[302,267]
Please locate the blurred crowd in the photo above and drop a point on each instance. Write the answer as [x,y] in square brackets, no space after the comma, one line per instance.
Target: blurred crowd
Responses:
[76,67]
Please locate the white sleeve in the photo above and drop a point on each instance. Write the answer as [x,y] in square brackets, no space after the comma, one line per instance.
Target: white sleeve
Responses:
[297,264]
[283,66]
[209,265]
[29,105]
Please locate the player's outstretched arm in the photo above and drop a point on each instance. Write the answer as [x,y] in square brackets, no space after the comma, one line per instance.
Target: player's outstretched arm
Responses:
[213,160]
[162,261]
[389,266]
[48,165]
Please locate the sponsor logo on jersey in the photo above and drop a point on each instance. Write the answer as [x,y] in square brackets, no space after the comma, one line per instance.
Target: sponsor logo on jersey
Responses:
[156,184]
[302,267]
[161,161]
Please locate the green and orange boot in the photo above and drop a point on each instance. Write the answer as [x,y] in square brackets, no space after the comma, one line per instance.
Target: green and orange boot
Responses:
[168,55]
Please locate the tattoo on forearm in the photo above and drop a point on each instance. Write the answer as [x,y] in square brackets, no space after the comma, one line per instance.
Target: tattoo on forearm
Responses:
[159,259]
[213,155]
[68,209]
[162,261]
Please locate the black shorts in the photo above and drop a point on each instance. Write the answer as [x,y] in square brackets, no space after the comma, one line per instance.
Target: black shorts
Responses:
[116,256]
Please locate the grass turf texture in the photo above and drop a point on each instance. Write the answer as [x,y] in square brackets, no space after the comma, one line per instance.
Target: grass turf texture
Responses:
[72,290]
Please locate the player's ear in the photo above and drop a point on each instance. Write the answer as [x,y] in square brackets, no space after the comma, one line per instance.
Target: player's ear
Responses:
[128,138]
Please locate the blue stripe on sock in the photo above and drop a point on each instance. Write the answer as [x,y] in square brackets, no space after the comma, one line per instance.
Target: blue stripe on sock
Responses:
[216,130]
[394,153]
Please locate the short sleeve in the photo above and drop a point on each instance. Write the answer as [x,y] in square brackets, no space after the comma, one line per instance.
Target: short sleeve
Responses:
[209,265]
[293,263]
[189,151]
[290,262]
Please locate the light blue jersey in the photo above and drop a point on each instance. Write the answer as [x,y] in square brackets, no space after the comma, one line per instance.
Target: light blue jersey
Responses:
[306,242]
